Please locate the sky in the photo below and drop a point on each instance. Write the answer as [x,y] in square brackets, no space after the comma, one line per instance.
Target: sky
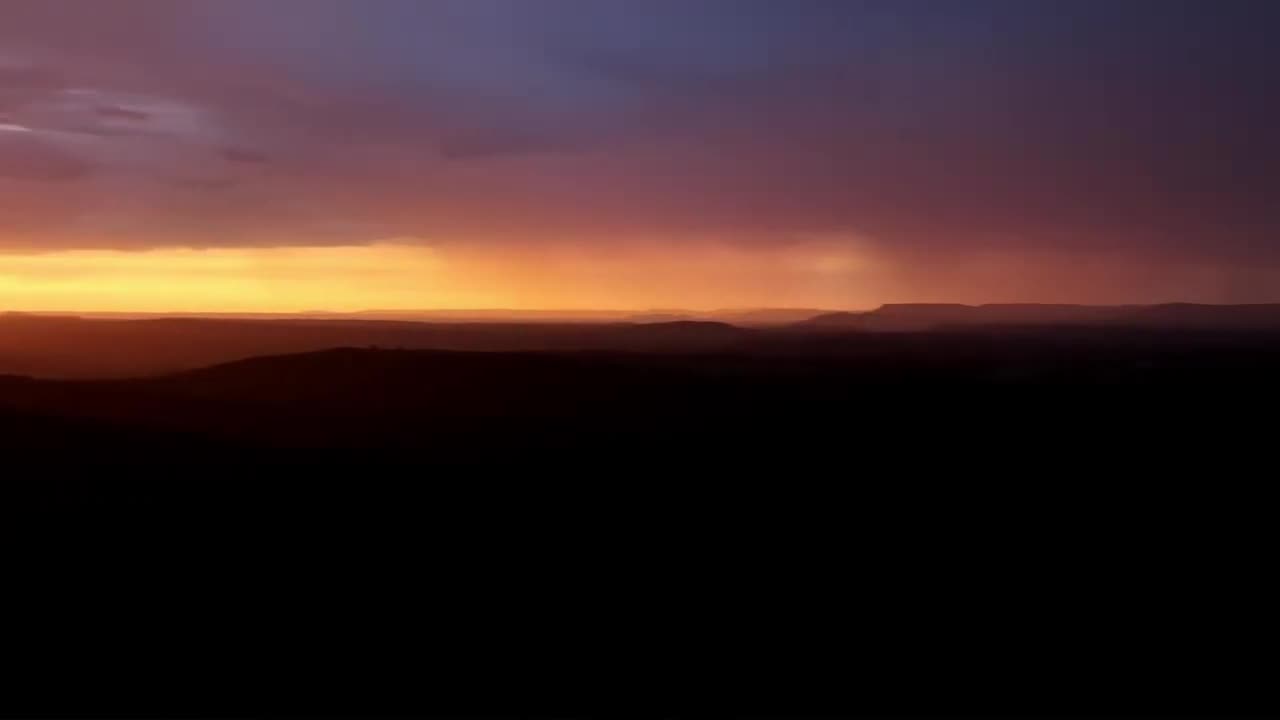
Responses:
[347,154]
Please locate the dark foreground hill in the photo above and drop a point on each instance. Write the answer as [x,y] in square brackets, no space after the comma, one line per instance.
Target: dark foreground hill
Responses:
[71,347]
[1040,408]
[1010,491]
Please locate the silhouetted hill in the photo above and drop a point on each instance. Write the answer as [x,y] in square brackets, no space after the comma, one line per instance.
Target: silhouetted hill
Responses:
[896,317]
[658,318]
[72,347]
[385,426]
[923,317]
[835,320]
[763,316]
[76,347]
[284,396]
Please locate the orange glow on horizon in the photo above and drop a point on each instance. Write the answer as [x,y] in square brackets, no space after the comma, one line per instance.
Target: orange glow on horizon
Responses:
[829,273]
[405,276]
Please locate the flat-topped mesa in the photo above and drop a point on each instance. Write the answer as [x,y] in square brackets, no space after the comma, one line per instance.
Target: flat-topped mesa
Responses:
[909,317]
[931,312]
[895,317]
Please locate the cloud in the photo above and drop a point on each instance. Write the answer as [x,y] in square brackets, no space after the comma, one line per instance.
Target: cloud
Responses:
[26,157]
[117,112]
[943,128]
[240,155]
[481,144]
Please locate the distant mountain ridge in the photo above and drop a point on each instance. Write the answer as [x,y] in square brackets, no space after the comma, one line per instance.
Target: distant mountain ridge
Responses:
[90,347]
[736,316]
[98,347]
[914,317]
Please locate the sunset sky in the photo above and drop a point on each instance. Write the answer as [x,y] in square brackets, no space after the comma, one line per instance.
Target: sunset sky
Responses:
[284,155]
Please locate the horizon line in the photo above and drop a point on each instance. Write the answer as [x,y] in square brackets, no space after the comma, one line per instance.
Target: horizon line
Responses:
[618,311]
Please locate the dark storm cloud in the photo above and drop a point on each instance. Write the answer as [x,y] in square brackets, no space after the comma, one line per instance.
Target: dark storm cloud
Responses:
[936,124]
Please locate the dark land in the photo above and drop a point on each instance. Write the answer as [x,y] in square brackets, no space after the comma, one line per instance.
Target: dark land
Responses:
[209,410]
[991,509]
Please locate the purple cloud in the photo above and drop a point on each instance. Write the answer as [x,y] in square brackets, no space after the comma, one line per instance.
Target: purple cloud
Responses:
[923,125]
